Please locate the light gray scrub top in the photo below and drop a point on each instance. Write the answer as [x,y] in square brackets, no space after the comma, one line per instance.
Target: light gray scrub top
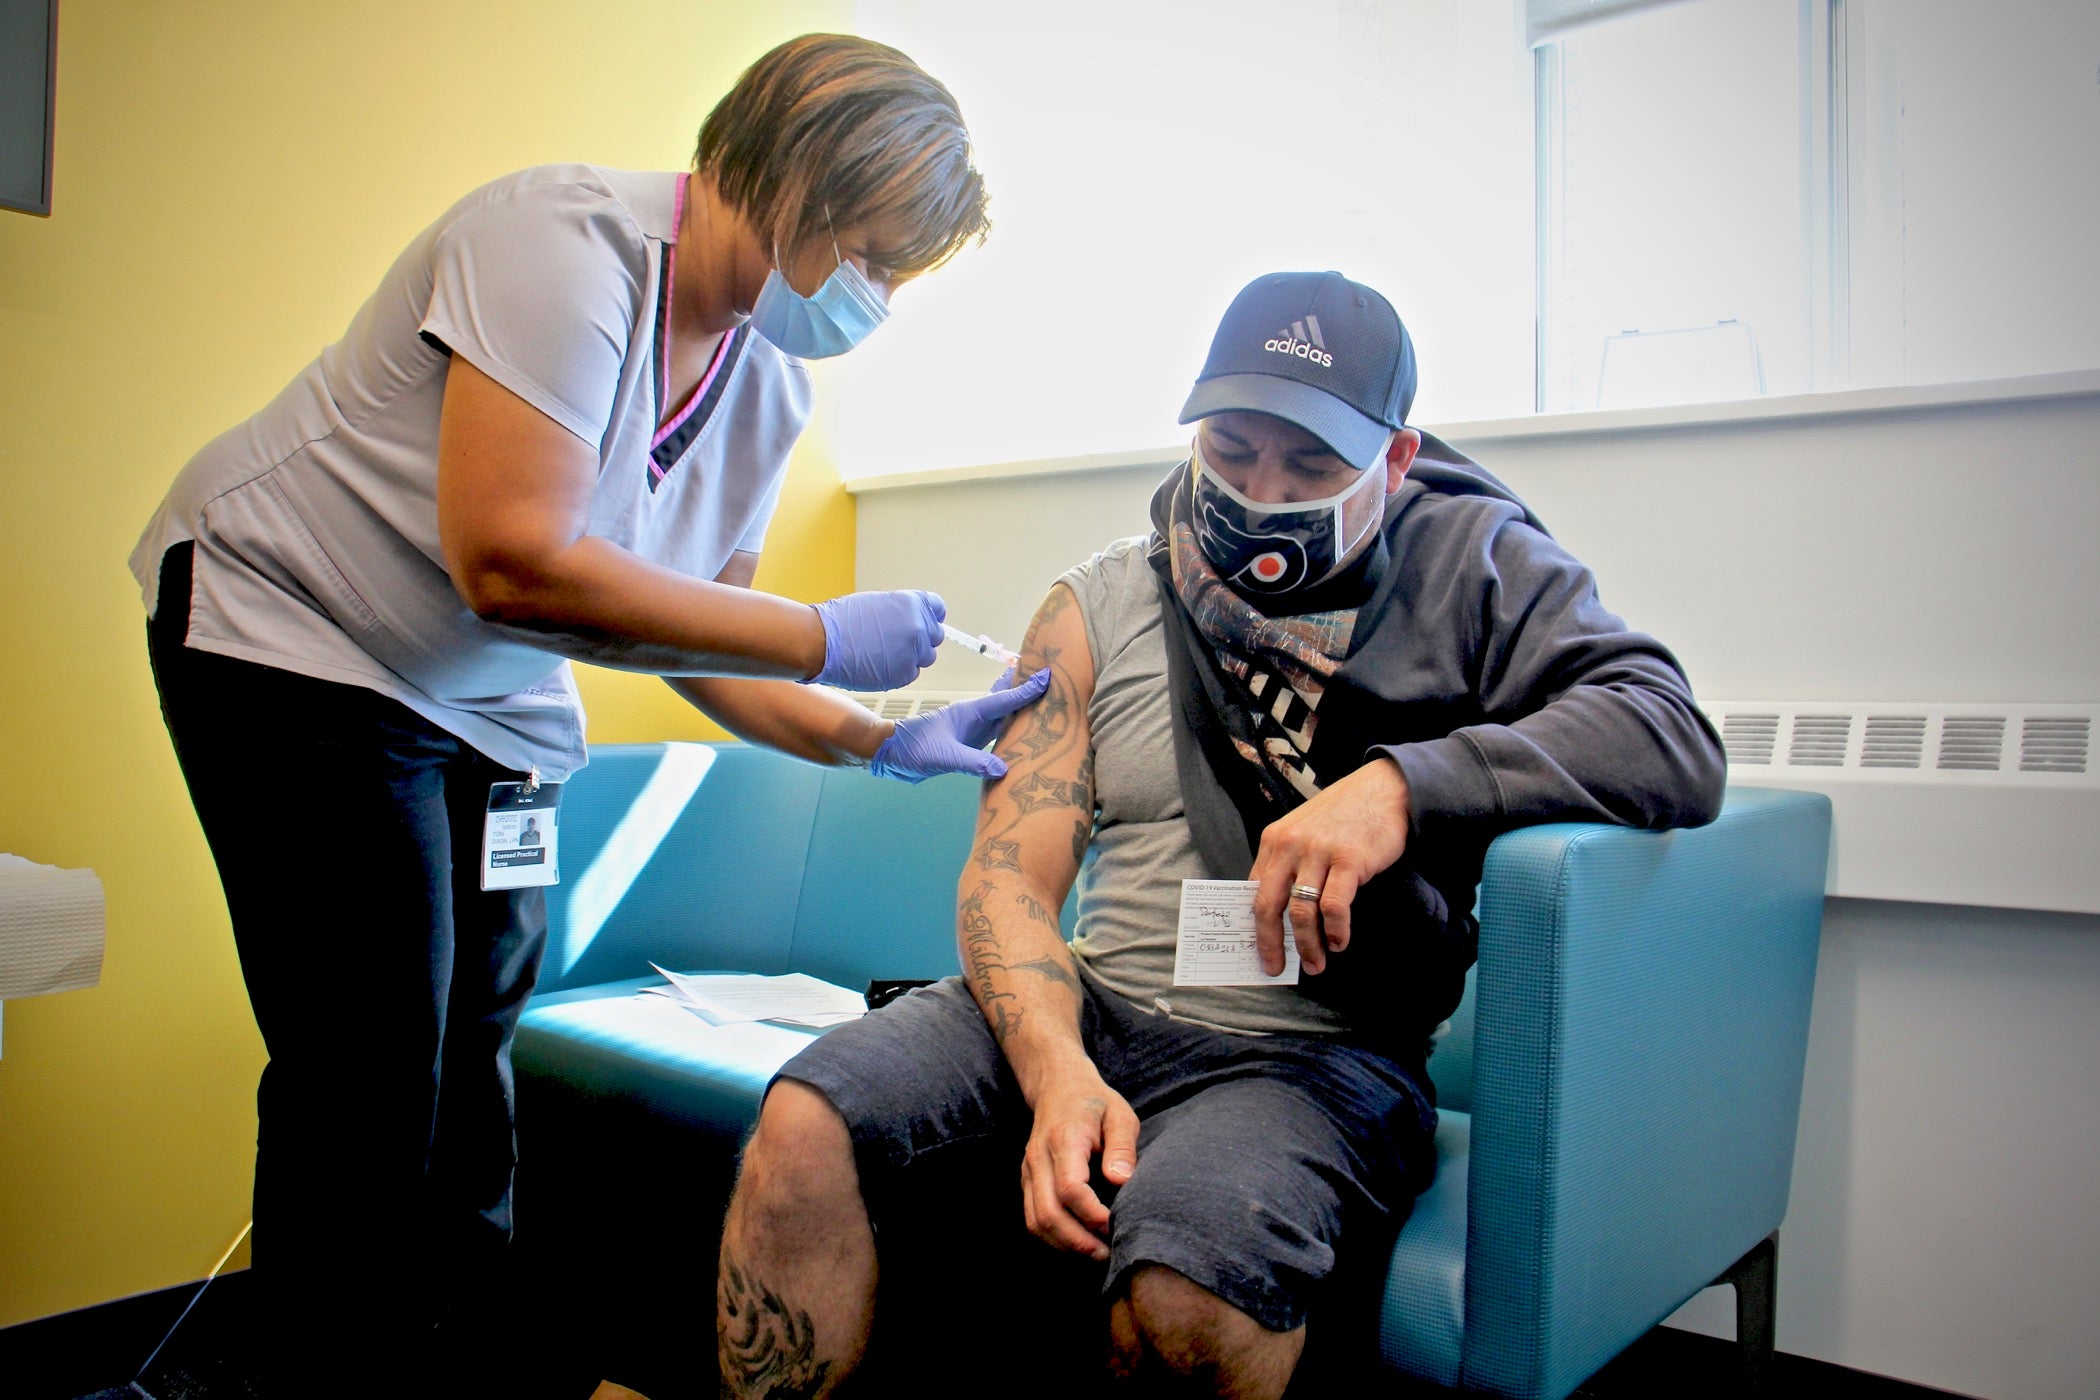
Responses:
[316,521]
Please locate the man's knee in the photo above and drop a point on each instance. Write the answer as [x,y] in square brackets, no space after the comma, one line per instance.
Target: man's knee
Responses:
[1197,1334]
[798,1167]
[1178,1318]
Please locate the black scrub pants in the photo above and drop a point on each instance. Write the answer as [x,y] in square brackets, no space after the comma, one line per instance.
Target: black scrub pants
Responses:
[387,986]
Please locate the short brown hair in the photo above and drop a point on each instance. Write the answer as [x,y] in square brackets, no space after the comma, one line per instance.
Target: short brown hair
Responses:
[833,130]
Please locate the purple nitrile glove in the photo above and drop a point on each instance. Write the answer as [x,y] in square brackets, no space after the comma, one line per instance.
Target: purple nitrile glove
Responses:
[953,739]
[879,641]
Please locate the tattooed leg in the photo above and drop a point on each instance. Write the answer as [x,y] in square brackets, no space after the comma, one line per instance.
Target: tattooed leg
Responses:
[795,1295]
[767,1346]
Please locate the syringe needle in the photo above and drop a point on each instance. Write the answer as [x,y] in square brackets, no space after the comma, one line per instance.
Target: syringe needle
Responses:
[982,645]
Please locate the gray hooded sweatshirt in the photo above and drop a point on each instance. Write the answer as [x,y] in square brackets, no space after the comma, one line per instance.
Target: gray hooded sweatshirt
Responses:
[1483,663]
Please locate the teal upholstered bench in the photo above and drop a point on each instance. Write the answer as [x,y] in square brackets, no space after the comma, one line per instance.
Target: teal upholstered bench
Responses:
[1618,1093]
[729,858]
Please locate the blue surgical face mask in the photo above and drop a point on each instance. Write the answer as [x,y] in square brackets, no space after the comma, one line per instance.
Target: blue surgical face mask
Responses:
[832,322]
[1271,549]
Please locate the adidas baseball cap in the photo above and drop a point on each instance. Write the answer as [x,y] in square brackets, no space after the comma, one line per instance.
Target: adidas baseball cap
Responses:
[1315,349]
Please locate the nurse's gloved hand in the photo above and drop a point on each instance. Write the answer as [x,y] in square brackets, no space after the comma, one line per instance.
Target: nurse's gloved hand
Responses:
[953,740]
[879,641]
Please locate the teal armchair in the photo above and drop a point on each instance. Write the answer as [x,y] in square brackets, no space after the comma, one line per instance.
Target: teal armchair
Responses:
[1617,1097]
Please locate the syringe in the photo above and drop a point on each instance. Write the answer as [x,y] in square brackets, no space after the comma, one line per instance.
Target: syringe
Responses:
[982,645]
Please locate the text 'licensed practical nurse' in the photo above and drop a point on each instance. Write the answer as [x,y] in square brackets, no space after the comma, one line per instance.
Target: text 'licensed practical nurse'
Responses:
[558,429]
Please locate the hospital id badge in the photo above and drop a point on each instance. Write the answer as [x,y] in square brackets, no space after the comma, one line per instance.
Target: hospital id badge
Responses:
[519,837]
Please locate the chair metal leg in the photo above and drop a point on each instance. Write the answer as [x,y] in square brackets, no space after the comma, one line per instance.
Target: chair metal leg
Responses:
[1756,1279]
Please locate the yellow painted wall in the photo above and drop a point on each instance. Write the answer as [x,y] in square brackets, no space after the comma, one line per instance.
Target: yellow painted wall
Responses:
[232,178]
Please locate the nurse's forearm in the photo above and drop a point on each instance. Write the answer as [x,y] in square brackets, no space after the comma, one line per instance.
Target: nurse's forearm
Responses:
[622,610]
[514,494]
[813,723]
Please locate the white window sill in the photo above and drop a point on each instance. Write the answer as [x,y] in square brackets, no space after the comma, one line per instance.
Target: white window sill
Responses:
[1847,403]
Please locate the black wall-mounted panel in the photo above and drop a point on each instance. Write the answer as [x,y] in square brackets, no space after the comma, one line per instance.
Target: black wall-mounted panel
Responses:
[28,71]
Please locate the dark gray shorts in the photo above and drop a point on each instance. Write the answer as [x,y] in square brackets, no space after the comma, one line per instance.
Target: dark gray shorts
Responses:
[1264,1162]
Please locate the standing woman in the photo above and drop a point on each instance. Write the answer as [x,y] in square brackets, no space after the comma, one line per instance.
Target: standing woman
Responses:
[557,429]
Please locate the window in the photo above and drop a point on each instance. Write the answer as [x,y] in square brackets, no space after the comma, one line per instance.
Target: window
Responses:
[1673,208]
[1146,160]
[1975,189]
[1743,197]
[1575,204]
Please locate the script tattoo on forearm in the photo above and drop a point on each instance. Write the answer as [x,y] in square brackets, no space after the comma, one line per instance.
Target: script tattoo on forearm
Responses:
[767,1347]
[986,960]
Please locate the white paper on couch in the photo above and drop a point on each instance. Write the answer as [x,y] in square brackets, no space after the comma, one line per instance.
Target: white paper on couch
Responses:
[792,998]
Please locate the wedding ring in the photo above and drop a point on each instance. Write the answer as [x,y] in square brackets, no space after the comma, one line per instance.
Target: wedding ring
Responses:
[1309,893]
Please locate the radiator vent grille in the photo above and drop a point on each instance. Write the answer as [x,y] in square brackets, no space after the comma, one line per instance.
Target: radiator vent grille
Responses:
[1819,741]
[2049,744]
[2018,744]
[1750,738]
[1989,803]
[1972,743]
[903,704]
[1893,741]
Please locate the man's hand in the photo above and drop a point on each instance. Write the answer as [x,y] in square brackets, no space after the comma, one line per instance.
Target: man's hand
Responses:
[1077,1117]
[1347,833]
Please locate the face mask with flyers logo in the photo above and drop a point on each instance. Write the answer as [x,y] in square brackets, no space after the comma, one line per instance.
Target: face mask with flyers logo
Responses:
[1270,549]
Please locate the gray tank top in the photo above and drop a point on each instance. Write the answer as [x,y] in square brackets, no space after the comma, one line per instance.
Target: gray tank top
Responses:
[1130,885]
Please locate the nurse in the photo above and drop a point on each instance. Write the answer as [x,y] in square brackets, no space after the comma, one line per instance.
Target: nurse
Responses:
[558,429]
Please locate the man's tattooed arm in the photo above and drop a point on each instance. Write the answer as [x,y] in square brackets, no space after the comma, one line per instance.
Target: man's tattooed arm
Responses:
[1032,829]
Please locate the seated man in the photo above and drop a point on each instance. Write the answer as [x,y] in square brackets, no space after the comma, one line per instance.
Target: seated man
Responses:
[1344,660]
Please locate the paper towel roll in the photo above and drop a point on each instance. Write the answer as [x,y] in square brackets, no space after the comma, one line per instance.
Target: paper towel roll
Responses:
[51,928]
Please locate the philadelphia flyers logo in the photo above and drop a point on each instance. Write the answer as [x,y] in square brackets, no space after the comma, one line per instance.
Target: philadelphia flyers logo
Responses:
[1257,563]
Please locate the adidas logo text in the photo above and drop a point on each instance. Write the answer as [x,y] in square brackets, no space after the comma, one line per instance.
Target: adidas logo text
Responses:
[1300,348]
[1303,339]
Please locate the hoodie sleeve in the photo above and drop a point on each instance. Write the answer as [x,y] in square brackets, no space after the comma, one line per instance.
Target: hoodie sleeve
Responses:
[1583,718]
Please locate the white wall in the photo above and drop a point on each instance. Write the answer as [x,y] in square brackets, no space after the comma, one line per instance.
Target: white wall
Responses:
[1943,1227]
